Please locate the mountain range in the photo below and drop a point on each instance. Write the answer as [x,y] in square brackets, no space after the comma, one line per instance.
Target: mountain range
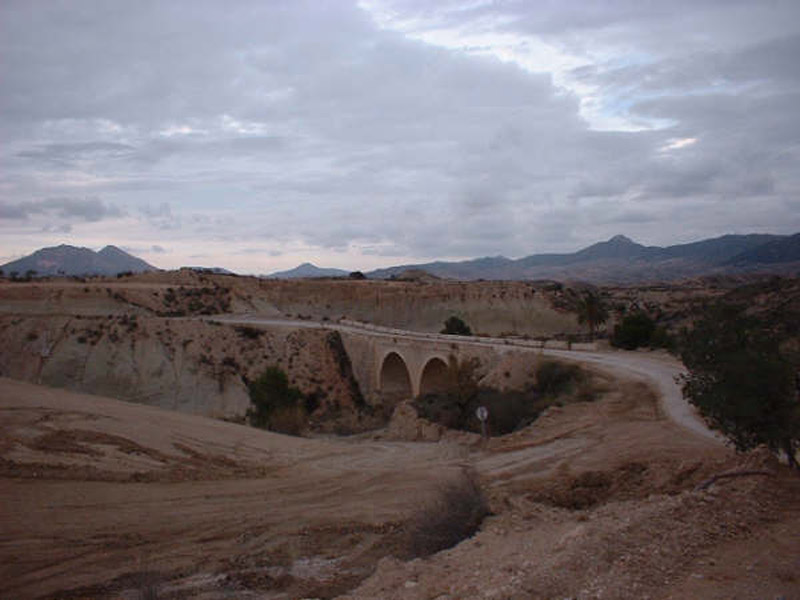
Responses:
[617,260]
[71,260]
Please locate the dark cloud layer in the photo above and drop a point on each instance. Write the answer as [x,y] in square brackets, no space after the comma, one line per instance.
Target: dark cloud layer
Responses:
[85,209]
[344,131]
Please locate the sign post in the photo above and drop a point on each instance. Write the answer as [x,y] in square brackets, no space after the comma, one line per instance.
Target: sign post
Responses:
[483,414]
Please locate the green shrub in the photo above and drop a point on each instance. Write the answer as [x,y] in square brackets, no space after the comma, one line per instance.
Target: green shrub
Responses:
[556,378]
[250,333]
[742,380]
[508,411]
[635,330]
[275,405]
[456,326]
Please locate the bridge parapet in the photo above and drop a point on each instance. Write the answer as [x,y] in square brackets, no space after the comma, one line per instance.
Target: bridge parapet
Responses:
[472,340]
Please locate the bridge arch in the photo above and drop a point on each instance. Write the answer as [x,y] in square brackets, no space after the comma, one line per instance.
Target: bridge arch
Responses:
[434,377]
[394,380]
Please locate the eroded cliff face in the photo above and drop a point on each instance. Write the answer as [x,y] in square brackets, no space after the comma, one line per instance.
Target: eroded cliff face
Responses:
[491,307]
[192,365]
[144,338]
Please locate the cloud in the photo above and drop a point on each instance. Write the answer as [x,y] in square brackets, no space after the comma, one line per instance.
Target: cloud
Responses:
[63,228]
[399,128]
[85,209]
[70,154]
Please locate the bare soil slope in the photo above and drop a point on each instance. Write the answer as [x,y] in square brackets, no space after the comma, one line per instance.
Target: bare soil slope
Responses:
[105,499]
[96,492]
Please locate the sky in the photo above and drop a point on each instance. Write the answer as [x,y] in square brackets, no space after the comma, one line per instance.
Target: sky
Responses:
[256,135]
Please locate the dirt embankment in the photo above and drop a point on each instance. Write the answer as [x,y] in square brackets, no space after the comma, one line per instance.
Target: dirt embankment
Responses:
[187,365]
[491,307]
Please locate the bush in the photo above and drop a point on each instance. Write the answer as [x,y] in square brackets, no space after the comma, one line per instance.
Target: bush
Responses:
[249,333]
[454,514]
[635,330]
[456,326]
[275,405]
[741,381]
[508,410]
[556,378]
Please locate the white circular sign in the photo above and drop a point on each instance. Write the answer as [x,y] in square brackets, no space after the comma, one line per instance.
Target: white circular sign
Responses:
[482,413]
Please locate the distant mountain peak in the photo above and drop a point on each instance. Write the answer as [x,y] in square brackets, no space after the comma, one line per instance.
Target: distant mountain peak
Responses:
[71,260]
[620,239]
[308,270]
[618,247]
[113,251]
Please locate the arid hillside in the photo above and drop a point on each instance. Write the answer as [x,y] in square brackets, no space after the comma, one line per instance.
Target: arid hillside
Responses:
[192,366]
[603,496]
[149,339]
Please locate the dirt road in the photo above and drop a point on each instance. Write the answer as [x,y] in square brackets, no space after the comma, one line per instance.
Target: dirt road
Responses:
[660,370]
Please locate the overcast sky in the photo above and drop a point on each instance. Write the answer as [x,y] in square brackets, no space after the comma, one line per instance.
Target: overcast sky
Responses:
[258,135]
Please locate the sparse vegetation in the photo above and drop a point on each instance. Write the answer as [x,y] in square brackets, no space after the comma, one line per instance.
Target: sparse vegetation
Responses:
[742,380]
[249,333]
[633,331]
[275,405]
[509,411]
[592,311]
[452,515]
[456,326]
[637,329]
[185,301]
[555,378]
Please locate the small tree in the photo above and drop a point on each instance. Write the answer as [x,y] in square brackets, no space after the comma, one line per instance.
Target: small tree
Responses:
[591,310]
[455,326]
[276,405]
[741,382]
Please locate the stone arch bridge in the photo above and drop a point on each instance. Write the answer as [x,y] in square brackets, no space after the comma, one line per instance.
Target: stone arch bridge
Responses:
[394,365]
